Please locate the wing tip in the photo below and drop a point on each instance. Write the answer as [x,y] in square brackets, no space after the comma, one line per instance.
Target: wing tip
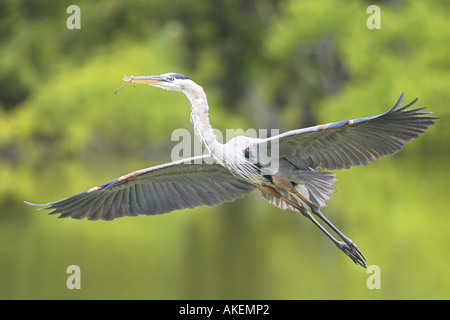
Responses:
[32,204]
[43,206]
[399,102]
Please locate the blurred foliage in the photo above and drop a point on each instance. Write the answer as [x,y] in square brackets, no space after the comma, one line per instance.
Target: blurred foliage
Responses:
[264,64]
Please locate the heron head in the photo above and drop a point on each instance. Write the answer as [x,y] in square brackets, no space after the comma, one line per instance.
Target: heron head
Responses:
[167,81]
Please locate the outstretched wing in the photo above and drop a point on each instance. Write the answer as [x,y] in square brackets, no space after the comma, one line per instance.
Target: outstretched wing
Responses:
[160,189]
[356,142]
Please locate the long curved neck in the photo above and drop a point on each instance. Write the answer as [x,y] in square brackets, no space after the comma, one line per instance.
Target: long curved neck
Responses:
[232,159]
[200,119]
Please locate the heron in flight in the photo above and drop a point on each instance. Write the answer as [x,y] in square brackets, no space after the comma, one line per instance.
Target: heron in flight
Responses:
[295,183]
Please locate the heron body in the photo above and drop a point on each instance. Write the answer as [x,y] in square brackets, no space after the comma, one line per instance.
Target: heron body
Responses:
[294,183]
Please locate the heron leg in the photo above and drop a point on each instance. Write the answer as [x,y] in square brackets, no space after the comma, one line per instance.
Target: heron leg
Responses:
[348,247]
[351,250]
[347,240]
[351,245]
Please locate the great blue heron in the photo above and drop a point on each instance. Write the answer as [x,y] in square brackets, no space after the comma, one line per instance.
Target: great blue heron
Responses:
[295,184]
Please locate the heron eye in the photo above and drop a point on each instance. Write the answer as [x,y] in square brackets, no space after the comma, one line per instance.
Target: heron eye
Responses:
[171,78]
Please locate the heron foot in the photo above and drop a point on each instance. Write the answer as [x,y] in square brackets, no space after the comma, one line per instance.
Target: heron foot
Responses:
[352,251]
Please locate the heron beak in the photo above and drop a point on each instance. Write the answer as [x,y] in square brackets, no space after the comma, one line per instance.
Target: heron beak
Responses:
[145,79]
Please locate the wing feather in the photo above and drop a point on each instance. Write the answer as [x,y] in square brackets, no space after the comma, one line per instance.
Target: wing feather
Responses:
[355,142]
[160,189]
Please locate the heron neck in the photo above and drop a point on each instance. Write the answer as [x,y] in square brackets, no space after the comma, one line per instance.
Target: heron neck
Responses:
[232,159]
[200,119]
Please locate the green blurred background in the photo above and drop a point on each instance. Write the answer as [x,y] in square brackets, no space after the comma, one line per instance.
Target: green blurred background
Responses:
[264,64]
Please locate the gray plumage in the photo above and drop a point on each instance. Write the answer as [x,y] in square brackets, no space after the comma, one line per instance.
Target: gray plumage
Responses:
[295,183]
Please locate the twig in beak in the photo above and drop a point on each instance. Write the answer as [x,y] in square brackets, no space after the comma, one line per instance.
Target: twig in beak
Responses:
[128,80]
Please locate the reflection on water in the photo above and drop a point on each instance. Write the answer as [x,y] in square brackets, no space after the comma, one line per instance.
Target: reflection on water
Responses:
[242,250]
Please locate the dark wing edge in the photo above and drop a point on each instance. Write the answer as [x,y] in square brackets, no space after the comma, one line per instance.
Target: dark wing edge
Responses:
[155,190]
[348,143]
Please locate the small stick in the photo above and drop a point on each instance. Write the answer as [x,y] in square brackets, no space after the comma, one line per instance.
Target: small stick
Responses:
[128,80]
